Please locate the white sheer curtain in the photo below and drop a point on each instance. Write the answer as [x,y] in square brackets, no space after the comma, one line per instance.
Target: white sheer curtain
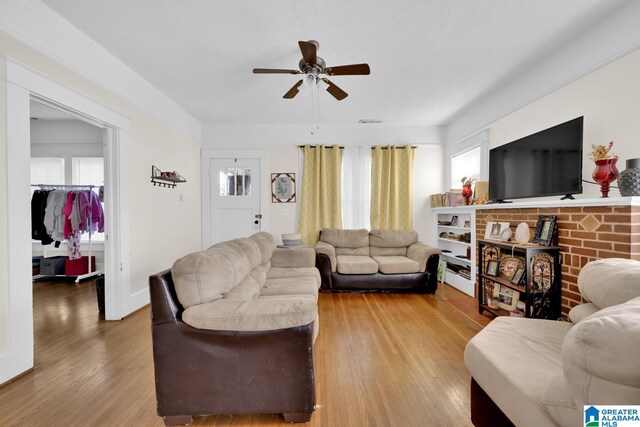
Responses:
[356,187]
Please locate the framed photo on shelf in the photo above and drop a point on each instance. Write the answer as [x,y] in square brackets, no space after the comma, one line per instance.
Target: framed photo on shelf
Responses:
[517,276]
[545,229]
[454,221]
[494,230]
[508,298]
[492,268]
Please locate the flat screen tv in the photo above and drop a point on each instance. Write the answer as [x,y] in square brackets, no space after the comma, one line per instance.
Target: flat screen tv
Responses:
[547,163]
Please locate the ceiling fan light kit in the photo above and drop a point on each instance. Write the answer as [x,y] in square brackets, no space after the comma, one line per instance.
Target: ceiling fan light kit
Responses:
[312,66]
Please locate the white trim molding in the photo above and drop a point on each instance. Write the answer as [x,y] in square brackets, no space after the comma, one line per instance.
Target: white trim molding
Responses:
[21,85]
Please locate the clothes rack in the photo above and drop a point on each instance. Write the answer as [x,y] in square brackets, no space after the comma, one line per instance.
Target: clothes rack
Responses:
[92,195]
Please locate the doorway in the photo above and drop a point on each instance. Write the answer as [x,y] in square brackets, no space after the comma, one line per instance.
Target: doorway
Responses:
[235,194]
[67,164]
[21,86]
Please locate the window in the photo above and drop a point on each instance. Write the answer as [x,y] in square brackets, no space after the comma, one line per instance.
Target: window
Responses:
[466,164]
[87,171]
[47,170]
[235,182]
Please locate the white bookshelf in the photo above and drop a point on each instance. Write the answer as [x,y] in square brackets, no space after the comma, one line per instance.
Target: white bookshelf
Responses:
[454,251]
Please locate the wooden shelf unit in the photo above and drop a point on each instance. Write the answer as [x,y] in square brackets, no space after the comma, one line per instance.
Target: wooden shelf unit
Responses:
[464,214]
[540,286]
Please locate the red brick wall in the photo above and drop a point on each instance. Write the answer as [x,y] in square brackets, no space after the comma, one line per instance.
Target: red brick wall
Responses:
[584,234]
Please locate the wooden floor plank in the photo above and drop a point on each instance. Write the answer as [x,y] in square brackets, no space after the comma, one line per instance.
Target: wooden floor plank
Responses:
[381,360]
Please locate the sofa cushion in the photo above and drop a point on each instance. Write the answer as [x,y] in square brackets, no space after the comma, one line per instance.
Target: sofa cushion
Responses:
[248,247]
[560,404]
[392,238]
[293,257]
[282,272]
[345,238]
[255,315]
[290,286]
[600,356]
[202,277]
[378,251]
[611,281]
[496,358]
[396,264]
[247,289]
[581,311]
[266,244]
[350,264]
[353,251]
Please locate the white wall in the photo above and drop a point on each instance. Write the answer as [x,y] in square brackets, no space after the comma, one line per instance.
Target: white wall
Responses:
[162,227]
[609,100]
[281,142]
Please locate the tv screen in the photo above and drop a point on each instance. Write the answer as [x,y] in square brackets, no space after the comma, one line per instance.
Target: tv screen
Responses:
[547,163]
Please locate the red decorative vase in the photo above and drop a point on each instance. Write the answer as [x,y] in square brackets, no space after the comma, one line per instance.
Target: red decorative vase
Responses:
[606,171]
[467,192]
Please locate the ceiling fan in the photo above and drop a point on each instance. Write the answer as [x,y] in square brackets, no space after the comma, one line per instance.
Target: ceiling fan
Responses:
[313,67]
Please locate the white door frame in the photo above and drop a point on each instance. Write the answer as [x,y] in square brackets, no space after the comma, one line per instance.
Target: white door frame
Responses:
[21,84]
[208,154]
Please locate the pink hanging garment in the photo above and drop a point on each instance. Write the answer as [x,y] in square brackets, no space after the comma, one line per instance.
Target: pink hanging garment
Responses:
[66,210]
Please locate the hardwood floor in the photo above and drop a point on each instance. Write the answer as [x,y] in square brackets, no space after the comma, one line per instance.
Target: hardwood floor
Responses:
[381,360]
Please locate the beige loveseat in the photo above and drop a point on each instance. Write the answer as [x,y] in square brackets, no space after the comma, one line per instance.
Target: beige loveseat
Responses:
[233,331]
[532,372]
[376,260]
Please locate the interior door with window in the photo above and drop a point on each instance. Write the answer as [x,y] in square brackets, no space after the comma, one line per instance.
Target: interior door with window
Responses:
[235,198]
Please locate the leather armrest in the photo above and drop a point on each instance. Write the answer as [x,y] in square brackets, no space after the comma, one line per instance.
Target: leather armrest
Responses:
[293,258]
[420,252]
[330,251]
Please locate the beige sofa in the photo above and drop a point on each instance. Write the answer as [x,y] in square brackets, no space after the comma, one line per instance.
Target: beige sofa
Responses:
[532,372]
[376,260]
[233,331]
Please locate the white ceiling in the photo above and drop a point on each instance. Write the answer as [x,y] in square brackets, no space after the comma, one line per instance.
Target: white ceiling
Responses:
[429,59]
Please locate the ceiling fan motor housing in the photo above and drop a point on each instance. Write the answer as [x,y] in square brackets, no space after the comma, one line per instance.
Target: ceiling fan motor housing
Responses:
[317,68]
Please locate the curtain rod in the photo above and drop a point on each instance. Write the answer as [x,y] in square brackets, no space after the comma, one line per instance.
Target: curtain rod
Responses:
[342,148]
[63,186]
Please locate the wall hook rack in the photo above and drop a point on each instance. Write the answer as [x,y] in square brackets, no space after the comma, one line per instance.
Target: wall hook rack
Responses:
[165,179]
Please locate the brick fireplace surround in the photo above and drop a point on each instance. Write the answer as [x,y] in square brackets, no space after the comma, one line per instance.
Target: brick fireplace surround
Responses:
[588,229]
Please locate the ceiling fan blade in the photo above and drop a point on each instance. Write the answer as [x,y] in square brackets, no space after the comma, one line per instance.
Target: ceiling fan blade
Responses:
[293,91]
[335,91]
[348,70]
[274,71]
[309,50]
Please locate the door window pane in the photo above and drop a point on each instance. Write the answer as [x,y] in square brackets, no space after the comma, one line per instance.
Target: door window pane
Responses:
[235,182]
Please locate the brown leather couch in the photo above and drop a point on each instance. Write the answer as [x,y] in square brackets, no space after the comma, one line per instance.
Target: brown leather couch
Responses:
[200,370]
[376,260]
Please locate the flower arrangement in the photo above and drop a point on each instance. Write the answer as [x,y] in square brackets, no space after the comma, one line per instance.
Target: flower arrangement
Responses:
[467,181]
[601,152]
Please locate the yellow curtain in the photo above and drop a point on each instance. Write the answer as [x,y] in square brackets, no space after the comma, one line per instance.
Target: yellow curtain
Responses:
[320,204]
[392,187]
